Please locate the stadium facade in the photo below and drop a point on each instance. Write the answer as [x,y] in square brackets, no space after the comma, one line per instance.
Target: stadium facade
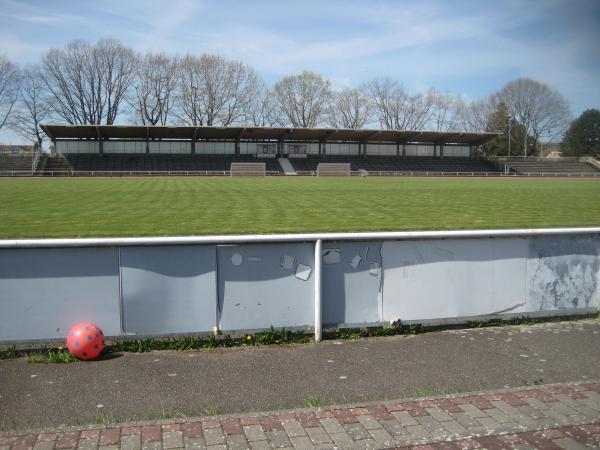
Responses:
[260,141]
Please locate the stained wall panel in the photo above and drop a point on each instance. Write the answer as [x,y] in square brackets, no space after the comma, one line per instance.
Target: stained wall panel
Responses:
[168,289]
[43,292]
[263,285]
[434,279]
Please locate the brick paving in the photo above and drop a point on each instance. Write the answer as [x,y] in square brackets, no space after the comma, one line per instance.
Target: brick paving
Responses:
[559,416]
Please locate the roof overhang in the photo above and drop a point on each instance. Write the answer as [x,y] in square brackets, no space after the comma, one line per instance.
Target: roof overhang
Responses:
[140,132]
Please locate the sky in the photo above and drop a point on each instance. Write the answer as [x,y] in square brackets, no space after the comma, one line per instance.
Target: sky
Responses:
[466,47]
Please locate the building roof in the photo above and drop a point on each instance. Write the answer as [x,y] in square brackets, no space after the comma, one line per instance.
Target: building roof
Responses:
[260,133]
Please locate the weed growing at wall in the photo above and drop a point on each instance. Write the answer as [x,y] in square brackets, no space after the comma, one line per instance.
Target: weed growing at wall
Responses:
[267,337]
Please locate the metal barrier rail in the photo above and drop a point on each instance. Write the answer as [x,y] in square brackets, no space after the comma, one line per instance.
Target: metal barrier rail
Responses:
[316,239]
[209,173]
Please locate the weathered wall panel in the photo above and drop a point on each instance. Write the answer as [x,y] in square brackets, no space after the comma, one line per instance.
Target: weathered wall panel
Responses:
[263,285]
[563,272]
[43,292]
[169,289]
[351,283]
[453,278]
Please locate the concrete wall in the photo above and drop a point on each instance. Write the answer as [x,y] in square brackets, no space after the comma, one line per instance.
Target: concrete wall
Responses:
[131,289]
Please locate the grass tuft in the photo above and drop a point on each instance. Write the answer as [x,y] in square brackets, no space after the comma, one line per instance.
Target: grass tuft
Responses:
[51,357]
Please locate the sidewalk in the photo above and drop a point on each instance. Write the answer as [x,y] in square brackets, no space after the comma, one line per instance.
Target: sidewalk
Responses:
[563,415]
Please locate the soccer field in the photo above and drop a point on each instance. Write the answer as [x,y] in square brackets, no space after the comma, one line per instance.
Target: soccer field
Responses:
[71,207]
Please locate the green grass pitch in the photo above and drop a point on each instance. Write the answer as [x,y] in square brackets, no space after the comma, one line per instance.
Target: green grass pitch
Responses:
[86,207]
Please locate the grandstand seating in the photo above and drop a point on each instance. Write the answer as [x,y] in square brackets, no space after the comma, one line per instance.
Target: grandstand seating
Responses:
[158,162]
[9,163]
[551,166]
[396,164]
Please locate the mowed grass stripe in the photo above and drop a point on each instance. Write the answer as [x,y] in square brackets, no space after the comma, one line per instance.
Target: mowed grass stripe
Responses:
[72,207]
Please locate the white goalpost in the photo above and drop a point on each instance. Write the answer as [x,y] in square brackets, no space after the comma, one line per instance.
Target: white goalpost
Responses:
[334,169]
[243,169]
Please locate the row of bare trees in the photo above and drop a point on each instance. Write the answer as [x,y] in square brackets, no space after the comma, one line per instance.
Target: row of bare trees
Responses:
[107,82]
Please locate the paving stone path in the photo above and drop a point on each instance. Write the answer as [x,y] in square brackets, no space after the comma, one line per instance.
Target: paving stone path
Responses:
[555,416]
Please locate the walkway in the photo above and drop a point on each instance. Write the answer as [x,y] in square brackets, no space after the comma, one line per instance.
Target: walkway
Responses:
[547,417]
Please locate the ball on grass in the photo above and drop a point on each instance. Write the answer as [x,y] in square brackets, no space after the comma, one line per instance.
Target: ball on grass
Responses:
[85,341]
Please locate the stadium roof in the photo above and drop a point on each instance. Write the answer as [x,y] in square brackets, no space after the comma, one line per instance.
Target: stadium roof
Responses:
[261,133]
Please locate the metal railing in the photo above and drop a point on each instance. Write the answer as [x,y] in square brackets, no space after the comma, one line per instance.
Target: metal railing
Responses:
[226,173]
[315,238]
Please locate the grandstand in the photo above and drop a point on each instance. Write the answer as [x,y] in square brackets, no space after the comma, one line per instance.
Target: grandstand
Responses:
[15,163]
[382,164]
[110,150]
[219,164]
[113,150]
[551,166]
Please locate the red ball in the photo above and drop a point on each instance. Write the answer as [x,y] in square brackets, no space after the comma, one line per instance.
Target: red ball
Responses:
[85,341]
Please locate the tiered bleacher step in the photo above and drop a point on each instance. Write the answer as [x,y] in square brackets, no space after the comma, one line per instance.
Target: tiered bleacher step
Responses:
[392,164]
[11,165]
[551,167]
[114,164]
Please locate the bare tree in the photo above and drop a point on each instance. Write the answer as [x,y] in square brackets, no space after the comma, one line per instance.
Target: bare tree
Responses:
[537,107]
[350,108]
[303,98]
[9,88]
[263,111]
[32,107]
[473,117]
[446,111]
[394,108]
[87,84]
[214,90]
[154,88]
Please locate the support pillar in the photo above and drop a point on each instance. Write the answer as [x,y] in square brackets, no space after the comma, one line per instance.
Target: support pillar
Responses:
[193,147]
[237,147]
[279,148]
[435,150]
[442,151]
[101,147]
[318,318]
[403,151]
[147,146]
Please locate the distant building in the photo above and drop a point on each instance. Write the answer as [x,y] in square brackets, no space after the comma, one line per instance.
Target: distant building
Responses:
[16,150]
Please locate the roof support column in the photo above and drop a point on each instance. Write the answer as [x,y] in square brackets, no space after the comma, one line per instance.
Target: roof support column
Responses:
[147,140]
[397,148]
[101,146]
[442,151]
[322,148]
[279,147]
[403,151]
[435,150]
[193,146]
[237,147]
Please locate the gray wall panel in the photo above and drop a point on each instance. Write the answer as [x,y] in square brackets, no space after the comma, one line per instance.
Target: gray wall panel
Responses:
[351,284]
[169,289]
[263,285]
[437,279]
[563,272]
[43,292]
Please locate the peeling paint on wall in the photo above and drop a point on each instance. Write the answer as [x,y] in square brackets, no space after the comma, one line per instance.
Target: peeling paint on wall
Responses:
[563,272]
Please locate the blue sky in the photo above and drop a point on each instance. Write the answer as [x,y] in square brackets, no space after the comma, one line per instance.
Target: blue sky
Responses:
[465,47]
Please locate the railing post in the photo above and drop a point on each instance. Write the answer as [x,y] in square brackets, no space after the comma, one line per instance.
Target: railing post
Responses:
[318,319]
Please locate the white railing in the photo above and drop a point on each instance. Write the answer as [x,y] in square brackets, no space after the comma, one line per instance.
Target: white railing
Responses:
[226,173]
